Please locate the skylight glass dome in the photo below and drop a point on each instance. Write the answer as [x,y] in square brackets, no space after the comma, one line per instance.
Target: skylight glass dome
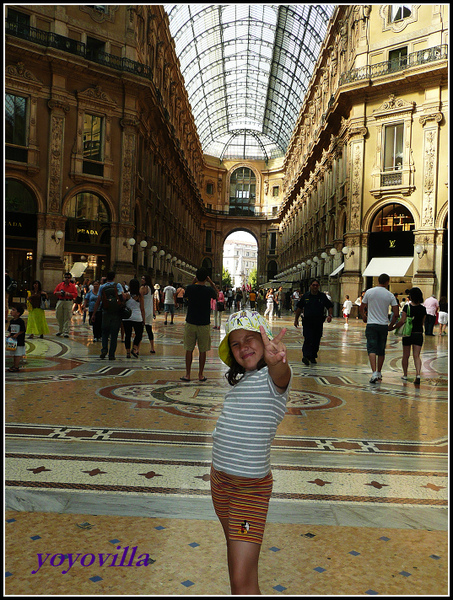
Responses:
[246,69]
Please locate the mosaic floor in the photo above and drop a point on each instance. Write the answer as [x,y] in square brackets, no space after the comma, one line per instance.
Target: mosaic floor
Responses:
[107,465]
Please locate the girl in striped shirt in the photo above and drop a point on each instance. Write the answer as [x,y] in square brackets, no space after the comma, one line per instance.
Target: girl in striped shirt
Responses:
[241,478]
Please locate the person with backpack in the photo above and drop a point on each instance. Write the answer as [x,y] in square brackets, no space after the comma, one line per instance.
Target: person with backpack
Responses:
[111,297]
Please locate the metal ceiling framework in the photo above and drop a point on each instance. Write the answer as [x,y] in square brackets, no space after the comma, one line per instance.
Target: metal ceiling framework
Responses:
[246,69]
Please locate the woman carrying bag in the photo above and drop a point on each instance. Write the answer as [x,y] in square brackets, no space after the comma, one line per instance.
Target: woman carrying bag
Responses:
[417,312]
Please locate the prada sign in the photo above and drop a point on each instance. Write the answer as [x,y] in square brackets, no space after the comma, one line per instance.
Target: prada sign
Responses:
[20,225]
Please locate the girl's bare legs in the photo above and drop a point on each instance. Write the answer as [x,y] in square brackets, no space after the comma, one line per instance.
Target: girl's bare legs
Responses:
[406,354]
[242,564]
[243,567]
[417,360]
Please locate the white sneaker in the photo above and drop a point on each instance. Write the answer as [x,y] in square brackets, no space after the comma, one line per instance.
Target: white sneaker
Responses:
[404,377]
[374,377]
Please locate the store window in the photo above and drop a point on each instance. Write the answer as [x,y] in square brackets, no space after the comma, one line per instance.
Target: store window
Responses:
[393,217]
[242,192]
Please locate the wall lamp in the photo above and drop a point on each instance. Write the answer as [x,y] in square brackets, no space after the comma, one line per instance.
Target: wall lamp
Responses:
[129,243]
[333,251]
[324,255]
[143,244]
[161,252]
[348,252]
[57,236]
[420,250]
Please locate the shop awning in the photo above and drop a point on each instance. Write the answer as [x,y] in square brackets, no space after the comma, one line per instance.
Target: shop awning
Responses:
[395,266]
[337,270]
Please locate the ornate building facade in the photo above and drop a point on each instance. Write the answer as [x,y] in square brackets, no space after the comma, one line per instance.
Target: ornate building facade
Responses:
[103,165]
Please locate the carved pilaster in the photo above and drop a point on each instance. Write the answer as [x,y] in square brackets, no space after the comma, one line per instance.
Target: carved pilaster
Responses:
[430,149]
[58,110]
[127,172]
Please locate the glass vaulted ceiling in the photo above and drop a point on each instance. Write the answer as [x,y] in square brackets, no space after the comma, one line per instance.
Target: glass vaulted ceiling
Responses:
[246,69]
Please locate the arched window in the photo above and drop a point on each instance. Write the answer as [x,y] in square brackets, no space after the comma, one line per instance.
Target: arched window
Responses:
[393,217]
[18,197]
[242,192]
[272,270]
[87,206]
[400,11]
[88,219]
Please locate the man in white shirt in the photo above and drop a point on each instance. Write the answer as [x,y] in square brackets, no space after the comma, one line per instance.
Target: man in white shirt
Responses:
[374,311]
[169,301]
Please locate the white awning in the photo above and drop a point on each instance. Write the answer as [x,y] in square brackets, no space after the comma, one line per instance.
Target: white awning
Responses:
[337,270]
[396,266]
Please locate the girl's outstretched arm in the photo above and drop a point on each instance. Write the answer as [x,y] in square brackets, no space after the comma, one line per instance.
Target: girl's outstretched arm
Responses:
[275,356]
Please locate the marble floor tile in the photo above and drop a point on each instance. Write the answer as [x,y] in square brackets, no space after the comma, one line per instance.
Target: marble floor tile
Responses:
[101,456]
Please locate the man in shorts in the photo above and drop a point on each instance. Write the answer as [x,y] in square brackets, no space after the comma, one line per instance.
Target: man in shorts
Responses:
[169,302]
[197,329]
[374,311]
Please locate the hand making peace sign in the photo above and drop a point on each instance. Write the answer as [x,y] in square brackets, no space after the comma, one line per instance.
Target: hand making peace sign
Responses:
[274,350]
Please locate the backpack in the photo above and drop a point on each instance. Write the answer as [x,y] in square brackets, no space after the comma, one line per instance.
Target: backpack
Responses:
[111,302]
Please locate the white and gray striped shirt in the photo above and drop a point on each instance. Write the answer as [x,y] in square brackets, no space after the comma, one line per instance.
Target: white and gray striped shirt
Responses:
[244,432]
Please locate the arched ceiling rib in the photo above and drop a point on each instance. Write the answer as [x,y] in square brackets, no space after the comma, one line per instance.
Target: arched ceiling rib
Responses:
[246,69]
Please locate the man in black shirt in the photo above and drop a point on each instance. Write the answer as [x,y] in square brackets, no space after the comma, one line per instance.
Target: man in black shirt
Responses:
[312,306]
[197,329]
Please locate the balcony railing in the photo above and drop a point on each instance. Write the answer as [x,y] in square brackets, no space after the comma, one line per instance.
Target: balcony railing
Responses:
[393,66]
[60,42]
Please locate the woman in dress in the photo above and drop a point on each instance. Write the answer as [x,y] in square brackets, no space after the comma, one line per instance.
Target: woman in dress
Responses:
[36,323]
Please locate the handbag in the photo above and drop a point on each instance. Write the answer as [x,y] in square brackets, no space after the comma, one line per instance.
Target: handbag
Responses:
[406,329]
[220,306]
[125,312]
[10,344]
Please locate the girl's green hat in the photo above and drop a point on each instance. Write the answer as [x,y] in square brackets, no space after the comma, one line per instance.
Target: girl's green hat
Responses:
[243,319]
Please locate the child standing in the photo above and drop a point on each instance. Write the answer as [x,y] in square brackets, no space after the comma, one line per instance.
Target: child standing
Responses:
[241,479]
[16,330]
[347,306]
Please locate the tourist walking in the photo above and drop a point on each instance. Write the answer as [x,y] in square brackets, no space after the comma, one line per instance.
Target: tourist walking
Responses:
[66,293]
[136,322]
[36,322]
[443,315]
[432,306]
[312,307]
[111,296]
[415,339]
[347,307]
[374,312]
[146,290]
[169,302]
[89,303]
[197,328]
[269,303]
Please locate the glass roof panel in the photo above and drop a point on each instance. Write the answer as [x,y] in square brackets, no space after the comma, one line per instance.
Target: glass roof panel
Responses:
[246,69]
